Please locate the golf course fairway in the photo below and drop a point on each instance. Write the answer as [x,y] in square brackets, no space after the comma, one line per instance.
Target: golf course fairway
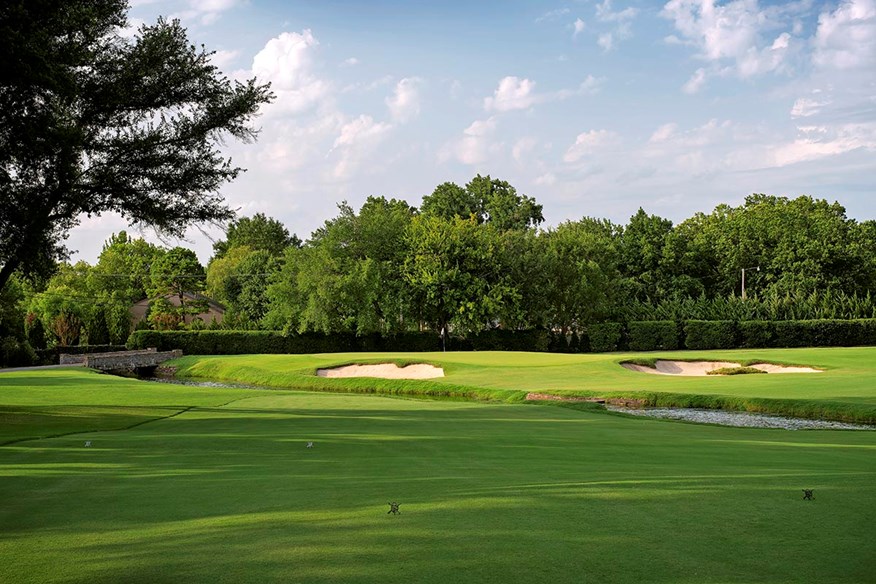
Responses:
[209,484]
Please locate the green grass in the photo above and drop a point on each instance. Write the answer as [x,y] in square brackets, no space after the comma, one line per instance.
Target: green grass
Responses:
[40,404]
[225,490]
[844,390]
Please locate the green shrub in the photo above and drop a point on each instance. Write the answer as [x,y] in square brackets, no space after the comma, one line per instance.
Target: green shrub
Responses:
[16,353]
[504,340]
[606,336]
[559,343]
[710,334]
[757,334]
[579,342]
[734,371]
[653,335]
[825,333]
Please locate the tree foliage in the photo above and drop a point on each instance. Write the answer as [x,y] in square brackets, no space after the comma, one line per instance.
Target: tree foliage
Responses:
[488,200]
[96,122]
[258,232]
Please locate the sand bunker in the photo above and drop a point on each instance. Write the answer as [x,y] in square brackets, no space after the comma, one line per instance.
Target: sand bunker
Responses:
[702,368]
[384,371]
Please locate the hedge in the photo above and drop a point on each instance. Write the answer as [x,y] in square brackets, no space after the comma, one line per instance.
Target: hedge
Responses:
[611,336]
[16,353]
[606,336]
[757,333]
[653,335]
[710,334]
[52,356]
[825,333]
[221,342]
[504,340]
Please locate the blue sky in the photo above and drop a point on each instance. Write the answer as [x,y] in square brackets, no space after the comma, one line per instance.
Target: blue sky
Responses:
[595,108]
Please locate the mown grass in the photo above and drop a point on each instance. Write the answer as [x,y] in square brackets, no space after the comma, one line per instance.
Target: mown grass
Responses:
[489,492]
[40,404]
[844,390]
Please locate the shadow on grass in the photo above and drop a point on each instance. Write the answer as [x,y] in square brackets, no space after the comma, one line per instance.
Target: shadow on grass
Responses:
[488,494]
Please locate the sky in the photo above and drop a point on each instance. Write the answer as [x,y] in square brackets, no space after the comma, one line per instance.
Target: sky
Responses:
[594,108]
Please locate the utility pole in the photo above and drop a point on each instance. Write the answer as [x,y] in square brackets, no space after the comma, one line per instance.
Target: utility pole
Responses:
[743,278]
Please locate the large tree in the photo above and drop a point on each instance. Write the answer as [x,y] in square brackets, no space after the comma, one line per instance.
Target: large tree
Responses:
[258,232]
[91,122]
[489,200]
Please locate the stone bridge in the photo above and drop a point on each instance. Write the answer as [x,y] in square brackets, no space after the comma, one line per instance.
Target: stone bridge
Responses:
[140,362]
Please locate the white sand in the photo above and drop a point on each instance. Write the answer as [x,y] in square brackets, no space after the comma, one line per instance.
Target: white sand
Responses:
[770,368]
[702,368]
[384,371]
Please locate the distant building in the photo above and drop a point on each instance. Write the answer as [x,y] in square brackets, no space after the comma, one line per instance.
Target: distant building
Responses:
[215,311]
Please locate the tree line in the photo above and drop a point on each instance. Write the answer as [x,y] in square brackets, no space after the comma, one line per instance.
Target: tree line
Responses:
[471,259]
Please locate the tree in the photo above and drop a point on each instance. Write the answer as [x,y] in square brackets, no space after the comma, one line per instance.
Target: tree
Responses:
[256,232]
[488,200]
[450,200]
[178,272]
[455,274]
[120,278]
[641,246]
[123,267]
[349,271]
[67,306]
[579,264]
[221,270]
[502,206]
[246,288]
[94,122]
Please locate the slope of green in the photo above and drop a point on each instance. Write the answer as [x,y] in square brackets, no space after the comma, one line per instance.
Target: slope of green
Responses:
[844,390]
[489,492]
[42,403]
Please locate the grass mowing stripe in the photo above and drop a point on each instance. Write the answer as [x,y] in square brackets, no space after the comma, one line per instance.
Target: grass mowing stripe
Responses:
[489,493]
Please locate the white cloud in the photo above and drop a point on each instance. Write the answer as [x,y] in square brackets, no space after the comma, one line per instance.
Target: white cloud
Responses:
[130,31]
[590,86]
[737,37]
[547,179]
[663,133]
[605,13]
[552,15]
[292,145]
[287,62]
[522,148]
[579,27]
[350,62]
[805,107]
[846,37]
[512,94]
[516,94]
[696,82]
[820,142]
[362,128]
[355,142]
[206,11]
[474,146]
[588,142]
[224,58]
[404,103]
[620,21]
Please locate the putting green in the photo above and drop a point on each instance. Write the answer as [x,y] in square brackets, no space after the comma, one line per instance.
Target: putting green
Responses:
[845,389]
[226,491]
